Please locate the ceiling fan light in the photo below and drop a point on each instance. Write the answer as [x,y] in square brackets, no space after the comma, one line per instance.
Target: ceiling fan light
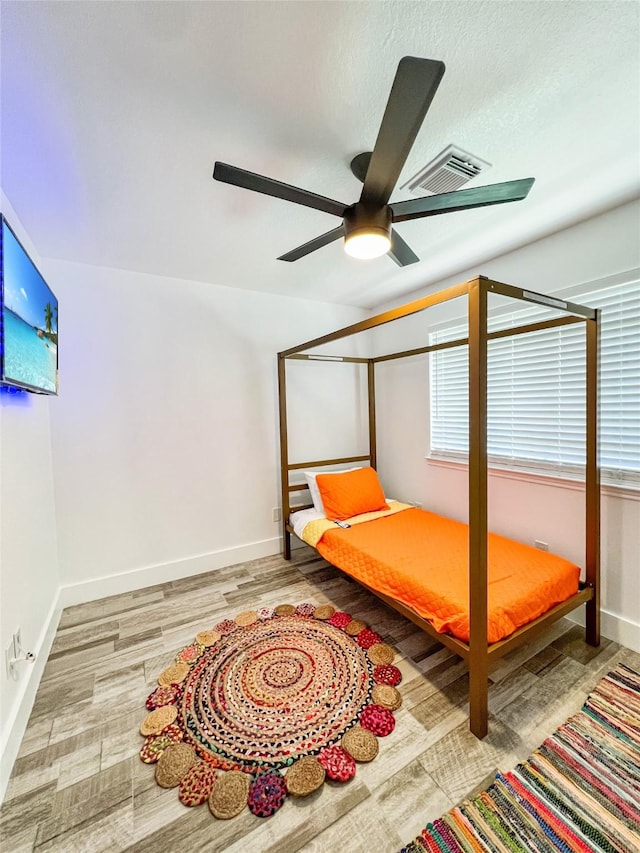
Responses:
[367,243]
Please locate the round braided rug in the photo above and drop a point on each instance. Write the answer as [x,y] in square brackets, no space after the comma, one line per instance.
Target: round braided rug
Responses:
[387,674]
[247,617]
[174,674]
[387,696]
[381,653]
[270,697]
[360,743]
[174,763]
[207,638]
[154,745]
[162,696]
[190,654]
[354,627]
[367,638]
[229,795]
[378,720]
[197,784]
[158,719]
[324,611]
[339,765]
[266,794]
[305,776]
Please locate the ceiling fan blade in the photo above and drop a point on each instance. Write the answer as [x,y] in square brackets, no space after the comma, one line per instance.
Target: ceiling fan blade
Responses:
[414,86]
[312,245]
[269,186]
[416,208]
[401,252]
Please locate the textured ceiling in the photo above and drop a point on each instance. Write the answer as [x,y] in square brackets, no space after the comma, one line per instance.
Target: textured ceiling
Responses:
[113,114]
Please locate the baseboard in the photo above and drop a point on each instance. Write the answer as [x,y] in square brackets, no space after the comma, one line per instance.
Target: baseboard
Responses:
[91,590]
[614,627]
[16,723]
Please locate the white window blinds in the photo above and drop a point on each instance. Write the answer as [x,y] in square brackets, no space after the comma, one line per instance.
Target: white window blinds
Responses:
[536,390]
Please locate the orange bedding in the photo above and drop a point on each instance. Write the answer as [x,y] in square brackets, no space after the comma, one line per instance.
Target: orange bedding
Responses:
[421,560]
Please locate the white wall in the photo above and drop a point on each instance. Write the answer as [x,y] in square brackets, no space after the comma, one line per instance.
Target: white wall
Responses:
[162,446]
[29,575]
[166,459]
[523,509]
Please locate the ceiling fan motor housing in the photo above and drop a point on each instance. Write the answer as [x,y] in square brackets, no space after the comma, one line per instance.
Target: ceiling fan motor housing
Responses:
[361,218]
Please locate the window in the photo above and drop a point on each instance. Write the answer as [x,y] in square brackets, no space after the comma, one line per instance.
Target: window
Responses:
[536,389]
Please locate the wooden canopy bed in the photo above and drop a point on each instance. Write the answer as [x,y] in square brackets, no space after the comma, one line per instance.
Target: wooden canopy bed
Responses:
[476,649]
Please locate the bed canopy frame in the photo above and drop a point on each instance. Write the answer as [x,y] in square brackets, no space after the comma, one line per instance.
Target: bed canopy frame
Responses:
[478,653]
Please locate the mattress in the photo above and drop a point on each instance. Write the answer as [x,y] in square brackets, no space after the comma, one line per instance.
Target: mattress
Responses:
[422,560]
[299,520]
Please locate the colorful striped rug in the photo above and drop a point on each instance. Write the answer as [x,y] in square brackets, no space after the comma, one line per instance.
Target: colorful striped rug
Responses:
[578,793]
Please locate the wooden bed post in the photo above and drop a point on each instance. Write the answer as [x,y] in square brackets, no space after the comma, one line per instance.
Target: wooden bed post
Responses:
[592,485]
[478,646]
[371,384]
[284,456]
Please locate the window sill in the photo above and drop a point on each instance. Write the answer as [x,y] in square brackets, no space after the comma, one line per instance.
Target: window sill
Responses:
[609,489]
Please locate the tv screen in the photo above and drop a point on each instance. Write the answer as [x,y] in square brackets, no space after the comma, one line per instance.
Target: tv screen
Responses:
[28,320]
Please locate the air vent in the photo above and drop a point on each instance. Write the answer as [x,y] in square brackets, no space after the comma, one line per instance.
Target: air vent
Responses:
[450,170]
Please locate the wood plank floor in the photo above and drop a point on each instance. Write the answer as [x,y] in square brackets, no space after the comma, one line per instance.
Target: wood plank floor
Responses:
[79,785]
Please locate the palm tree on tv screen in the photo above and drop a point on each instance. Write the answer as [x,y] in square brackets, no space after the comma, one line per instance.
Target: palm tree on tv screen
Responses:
[48,316]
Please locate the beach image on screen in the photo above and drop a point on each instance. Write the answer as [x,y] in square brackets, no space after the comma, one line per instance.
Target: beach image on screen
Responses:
[30,320]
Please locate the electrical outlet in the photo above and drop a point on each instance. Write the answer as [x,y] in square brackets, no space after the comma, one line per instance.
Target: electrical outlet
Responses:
[275,513]
[543,546]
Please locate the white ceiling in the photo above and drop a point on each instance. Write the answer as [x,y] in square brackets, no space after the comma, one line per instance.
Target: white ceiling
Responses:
[113,114]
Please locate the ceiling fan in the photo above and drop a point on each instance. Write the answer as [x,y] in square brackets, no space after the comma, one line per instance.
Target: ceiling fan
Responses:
[367,225]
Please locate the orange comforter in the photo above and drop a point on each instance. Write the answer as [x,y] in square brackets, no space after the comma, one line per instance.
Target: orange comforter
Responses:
[421,559]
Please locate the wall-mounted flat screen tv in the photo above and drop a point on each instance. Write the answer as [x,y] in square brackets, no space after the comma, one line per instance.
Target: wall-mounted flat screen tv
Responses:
[28,320]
